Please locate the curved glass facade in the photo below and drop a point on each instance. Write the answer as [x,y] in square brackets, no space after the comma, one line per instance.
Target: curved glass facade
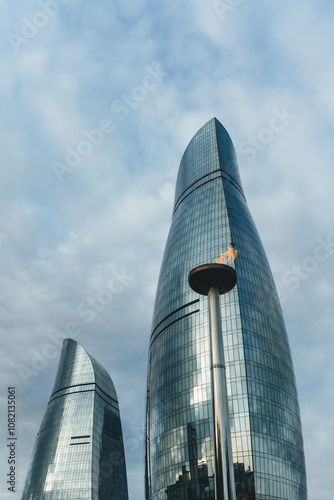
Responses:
[78,452]
[211,215]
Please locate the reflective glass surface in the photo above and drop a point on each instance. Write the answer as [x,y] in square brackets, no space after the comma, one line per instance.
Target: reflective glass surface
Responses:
[78,452]
[211,215]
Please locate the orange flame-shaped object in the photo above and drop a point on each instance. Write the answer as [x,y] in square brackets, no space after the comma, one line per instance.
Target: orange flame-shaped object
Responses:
[227,257]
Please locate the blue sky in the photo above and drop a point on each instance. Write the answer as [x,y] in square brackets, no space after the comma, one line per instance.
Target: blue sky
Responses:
[98,102]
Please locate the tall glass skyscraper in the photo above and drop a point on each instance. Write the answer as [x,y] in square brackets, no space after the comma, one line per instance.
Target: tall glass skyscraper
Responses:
[211,215]
[78,452]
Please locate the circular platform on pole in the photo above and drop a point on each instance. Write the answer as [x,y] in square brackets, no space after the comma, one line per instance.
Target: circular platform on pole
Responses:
[207,276]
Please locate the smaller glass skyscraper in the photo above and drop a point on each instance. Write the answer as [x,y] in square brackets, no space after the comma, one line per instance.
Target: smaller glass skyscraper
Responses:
[79,452]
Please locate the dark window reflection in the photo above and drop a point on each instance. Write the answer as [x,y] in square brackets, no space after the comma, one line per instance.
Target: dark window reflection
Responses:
[193,484]
[196,484]
[244,483]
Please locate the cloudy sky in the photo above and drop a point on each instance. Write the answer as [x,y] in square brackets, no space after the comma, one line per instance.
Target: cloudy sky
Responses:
[98,102]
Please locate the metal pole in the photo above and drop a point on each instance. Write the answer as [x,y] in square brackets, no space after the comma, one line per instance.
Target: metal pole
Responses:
[224,472]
